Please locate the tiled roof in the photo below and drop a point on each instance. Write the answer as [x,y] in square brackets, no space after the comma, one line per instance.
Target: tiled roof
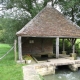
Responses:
[50,23]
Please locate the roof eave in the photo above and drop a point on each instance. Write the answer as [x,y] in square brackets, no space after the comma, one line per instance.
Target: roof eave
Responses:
[48,36]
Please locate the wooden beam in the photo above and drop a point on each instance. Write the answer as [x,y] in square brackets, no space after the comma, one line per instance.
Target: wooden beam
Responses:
[57,47]
[20,48]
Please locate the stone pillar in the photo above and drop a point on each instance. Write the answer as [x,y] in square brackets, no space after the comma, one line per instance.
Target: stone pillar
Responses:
[45,69]
[63,45]
[57,47]
[20,48]
[73,48]
[73,67]
[63,52]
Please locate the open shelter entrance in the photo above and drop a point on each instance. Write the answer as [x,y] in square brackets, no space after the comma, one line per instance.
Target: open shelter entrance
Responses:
[43,47]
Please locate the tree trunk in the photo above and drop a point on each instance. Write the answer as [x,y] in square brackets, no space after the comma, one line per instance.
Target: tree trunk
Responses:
[72,13]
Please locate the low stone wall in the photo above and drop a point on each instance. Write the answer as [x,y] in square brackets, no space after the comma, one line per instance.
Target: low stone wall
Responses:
[29,73]
[64,52]
[32,72]
[74,55]
[45,69]
[73,67]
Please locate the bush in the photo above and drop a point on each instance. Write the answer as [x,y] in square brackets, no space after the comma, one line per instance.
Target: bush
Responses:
[1,36]
[77,47]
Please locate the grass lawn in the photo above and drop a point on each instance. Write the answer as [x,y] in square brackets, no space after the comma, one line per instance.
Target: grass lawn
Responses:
[9,69]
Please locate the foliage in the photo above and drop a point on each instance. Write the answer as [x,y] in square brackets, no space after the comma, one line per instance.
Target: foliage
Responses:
[9,70]
[77,47]
[1,36]
[70,8]
[11,26]
[68,46]
[27,5]
[41,77]
[16,14]
[27,57]
[1,33]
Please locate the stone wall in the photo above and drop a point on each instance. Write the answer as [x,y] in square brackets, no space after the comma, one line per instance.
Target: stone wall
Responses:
[45,69]
[37,45]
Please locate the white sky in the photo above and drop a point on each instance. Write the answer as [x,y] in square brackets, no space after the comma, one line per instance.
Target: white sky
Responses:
[39,1]
[56,6]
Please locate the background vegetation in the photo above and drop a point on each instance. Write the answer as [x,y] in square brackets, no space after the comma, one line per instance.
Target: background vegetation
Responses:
[16,13]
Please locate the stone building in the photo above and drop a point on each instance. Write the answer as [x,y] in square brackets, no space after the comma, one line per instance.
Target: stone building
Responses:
[36,37]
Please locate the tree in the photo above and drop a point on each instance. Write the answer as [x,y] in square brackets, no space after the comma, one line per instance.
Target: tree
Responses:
[26,5]
[70,8]
[10,27]
[17,13]
[1,33]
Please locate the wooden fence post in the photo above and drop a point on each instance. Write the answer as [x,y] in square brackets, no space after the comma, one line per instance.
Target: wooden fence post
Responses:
[15,50]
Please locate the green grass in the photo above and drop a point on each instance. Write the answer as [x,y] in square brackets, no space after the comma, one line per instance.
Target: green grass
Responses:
[9,69]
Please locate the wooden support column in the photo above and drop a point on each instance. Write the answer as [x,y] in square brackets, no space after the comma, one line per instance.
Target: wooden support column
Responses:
[63,45]
[57,47]
[15,49]
[20,48]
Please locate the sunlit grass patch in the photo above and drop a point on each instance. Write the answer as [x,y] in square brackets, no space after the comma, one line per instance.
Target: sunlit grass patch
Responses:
[9,69]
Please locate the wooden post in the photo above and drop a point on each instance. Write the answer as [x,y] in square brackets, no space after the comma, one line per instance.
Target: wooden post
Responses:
[15,50]
[20,48]
[63,45]
[57,47]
